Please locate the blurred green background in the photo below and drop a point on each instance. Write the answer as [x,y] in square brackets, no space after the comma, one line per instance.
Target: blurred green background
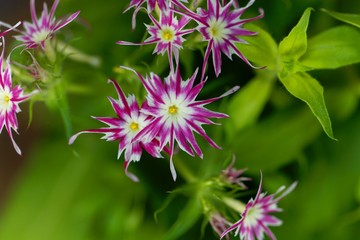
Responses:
[60,192]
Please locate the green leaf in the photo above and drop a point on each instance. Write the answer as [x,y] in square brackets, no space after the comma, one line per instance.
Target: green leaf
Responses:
[187,218]
[308,89]
[275,141]
[294,45]
[333,48]
[257,46]
[245,107]
[353,19]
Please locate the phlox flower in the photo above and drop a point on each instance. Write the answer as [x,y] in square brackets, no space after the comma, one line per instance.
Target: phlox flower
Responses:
[128,122]
[167,34]
[10,98]
[176,114]
[222,28]
[256,218]
[43,28]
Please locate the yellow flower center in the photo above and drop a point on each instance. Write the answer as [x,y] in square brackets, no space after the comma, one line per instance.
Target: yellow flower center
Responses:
[40,36]
[217,30]
[173,109]
[214,31]
[167,34]
[134,126]
[5,101]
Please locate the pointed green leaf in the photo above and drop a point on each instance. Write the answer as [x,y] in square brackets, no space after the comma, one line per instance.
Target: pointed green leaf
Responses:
[294,45]
[333,48]
[353,19]
[246,106]
[257,46]
[308,89]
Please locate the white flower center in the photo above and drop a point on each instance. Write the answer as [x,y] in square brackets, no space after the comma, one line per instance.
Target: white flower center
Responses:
[217,29]
[253,215]
[167,34]
[40,36]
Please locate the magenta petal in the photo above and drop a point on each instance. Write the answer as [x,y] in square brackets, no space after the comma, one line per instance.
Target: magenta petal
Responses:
[129,174]
[67,21]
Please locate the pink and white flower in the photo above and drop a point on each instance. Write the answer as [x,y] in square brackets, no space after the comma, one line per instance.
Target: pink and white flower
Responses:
[43,28]
[167,34]
[222,28]
[10,98]
[256,218]
[176,114]
[124,127]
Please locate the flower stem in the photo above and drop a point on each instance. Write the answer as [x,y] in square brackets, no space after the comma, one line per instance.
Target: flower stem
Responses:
[50,51]
[184,170]
[234,204]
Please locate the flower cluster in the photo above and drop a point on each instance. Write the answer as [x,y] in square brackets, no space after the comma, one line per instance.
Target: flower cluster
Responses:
[171,117]
[220,26]
[171,114]
[35,35]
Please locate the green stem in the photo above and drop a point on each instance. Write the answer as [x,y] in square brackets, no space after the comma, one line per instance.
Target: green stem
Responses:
[78,55]
[63,107]
[50,52]
[234,204]
[184,170]
[58,88]
[195,4]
